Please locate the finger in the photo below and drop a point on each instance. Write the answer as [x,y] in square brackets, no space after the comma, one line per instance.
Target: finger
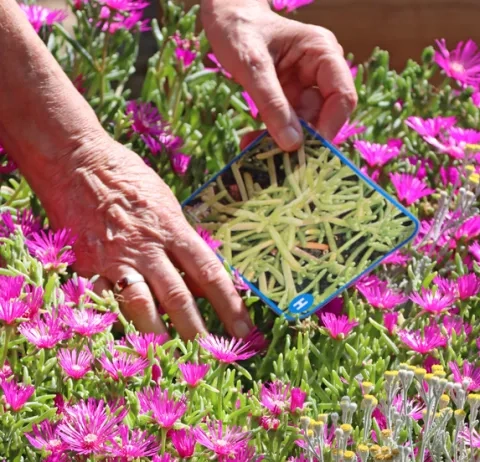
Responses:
[337,88]
[174,296]
[205,268]
[101,285]
[309,105]
[136,303]
[260,80]
[249,138]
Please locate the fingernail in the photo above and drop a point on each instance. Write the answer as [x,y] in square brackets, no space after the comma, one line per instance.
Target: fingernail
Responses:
[241,329]
[290,138]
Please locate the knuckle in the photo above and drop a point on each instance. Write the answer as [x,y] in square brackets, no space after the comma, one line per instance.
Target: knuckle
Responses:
[350,100]
[177,299]
[211,272]
[138,300]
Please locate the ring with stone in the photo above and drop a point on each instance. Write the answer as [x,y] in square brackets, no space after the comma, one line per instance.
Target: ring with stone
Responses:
[127,281]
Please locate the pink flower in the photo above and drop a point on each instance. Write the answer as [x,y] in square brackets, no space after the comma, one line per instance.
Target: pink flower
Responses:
[468,286]
[75,290]
[5,371]
[455,323]
[429,362]
[239,282]
[348,130]
[146,119]
[374,154]
[164,458]
[141,342]
[396,258]
[476,98]
[124,5]
[223,441]
[120,365]
[469,229]
[185,56]
[338,327]
[461,64]
[334,306]
[251,104]
[75,363]
[180,162]
[430,127]
[275,397]
[227,351]
[409,188]
[7,165]
[214,244]
[353,68]
[40,16]
[432,301]
[425,342]
[219,67]
[132,444]
[469,376]
[11,287]
[89,425]
[122,14]
[16,395]
[390,321]
[52,248]
[456,142]
[192,373]
[87,322]
[381,296]
[45,438]
[12,310]
[289,5]
[184,441]
[474,249]
[450,176]
[165,410]
[24,220]
[297,399]
[46,331]
[470,438]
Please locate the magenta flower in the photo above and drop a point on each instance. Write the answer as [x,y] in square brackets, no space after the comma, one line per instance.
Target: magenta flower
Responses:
[120,365]
[124,5]
[390,321]
[334,306]
[132,444]
[75,363]
[146,119]
[184,442]
[164,458]
[425,342]
[180,162]
[348,130]
[75,290]
[474,249]
[5,371]
[470,438]
[122,14]
[183,51]
[430,127]
[222,441]
[289,5]
[11,287]
[87,322]
[239,282]
[227,351]
[140,342]
[396,258]
[476,98]
[468,286]
[52,248]
[445,285]
[165,410]
[381,296]
[214,244]
[24,220]
[338,327]
[251,104]
[16,395]
[275,396]
[40,16]
[374,154]
[455,323]
[192,373]
[219,67]
[46,331]
[456,142]
[353,68]
[450,176]
[409,188]
[89,425]
[12,310]
[45,438]
[297,399]
[461,64]
[432,301]
[7,165]
[469,229]
[469,376]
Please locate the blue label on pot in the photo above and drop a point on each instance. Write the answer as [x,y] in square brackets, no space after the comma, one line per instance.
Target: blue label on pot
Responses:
[301,303]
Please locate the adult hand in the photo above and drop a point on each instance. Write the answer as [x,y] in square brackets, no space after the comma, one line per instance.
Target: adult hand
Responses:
[287,67]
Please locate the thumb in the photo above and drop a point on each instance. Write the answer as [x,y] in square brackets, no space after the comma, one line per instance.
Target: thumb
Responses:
[260,80]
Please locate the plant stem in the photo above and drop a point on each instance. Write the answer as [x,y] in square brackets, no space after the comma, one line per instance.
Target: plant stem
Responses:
[164,439]
[221,378]
[8,334]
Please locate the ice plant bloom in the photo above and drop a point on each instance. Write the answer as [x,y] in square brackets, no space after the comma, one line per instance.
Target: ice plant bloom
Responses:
[52,248]
[45,438]
[75,363]
[348,130]
[468,286]
[455,323]
[46,331]
[141,342]
[223,441]
[469,376]
[11,310]
[227,351]
[289,5]
[122,14]
[450,176]
[338,327]
[89,425]
[382,297]
[432,301]
[214,244]
[16,395]
[457,141]
[132,444]
[278,397]
[469,229]
[219,67]
[165,410]
[183,50]
[75,290]
[390,321]
[474,249]
[180,162]
[192,373]
[251,104]
[184,441]
[462,63]
[396,258]
[430,127]
[470,438]
[40,16]
[24,220]
[87,322]
[297,399]
[409,188]
[374,154]
[121,365]
[425,342]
